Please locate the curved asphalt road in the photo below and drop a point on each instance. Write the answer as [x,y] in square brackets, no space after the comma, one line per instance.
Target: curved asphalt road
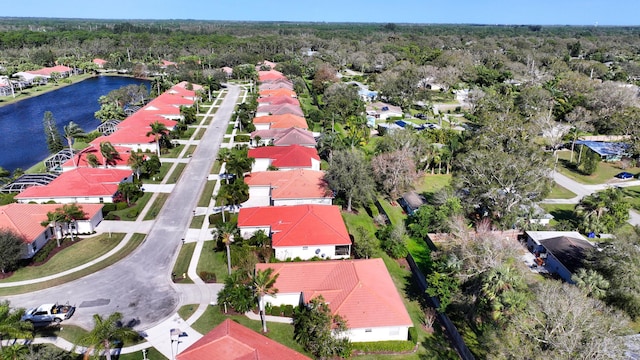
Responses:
[140,285]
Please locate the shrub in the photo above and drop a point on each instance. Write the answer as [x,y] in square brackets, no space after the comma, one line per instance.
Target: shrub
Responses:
[276,311]
[121,205]
[242,138]
[287,311]
[413,334]
[44,252]
[383,346]
[133,213]
[111,217]
[109,207]
[215,218]
[207,277]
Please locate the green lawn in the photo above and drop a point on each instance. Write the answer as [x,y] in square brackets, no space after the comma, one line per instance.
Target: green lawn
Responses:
[230,128]
[395,212]
[433,183]
[190,150]
[175,175]
[157,205]
[560,212]
[632,195]
[131,213]
[75,255]
[157,179]
[215,169]
[559,192]
[605,172]
[213,261]
[174,152]
[182,262]
[199,134]
[186,311]
[135,241]
[207,192]
[196,222]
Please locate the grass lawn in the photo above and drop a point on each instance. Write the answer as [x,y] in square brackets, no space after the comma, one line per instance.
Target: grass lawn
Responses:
[152,354]
[215,169]
[175,175]
[196,222]
[230,128]
[174,152]
[157,205]
[207,192]
[133,243]
[190,150]
[157,179]
[79,253]
[282,333]
[559,192]
[182,263]
[199,134]
[605,172]
[131,213]
[632,195]
[186,311]
[560,212]
[432,183]
[395,212]
[213,261]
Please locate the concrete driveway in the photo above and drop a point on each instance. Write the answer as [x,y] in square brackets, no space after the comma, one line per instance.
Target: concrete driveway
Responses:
[140,285]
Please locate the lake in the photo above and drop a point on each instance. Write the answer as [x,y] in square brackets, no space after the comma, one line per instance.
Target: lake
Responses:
[22,140]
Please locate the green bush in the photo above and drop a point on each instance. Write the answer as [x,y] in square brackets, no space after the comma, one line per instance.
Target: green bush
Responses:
[242,138]
[276,311]
[383,346]
[287,311]
[109,207]
[215,218]
[44,252]
[133,213]
[207,277]
[111,217]
[121,205]
[413,334]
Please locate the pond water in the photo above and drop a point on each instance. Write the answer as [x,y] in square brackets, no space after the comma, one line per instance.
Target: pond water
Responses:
[22,140]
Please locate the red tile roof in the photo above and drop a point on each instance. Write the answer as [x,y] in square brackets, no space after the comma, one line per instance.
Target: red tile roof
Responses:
[281,109]
[134,129]
[80,182]
[48,70]
[298,225]
[277,92]
[270,75]
[25,219]
[286,156]
[282,121]
[288,136]
[80,160]
[361,291]
[296,184]
[99,61]
[283,84]
[277,100]
[232,341]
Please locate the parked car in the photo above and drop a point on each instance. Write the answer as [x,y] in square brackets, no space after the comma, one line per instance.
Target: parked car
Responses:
[624,175]
[49,313]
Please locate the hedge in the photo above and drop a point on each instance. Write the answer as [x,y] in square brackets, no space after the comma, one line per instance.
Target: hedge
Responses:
[242,138]
[413,334]
[383,346]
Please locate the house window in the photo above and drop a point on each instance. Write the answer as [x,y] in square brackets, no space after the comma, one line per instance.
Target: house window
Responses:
[342,249]
[368,330]
[305,248]
[101,200]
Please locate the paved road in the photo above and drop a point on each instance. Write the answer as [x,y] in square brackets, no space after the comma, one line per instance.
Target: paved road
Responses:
[140,286]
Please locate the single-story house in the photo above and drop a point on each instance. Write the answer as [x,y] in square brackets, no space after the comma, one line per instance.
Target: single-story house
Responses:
[267,64]
[276,84]
[361,291]
[282,121]
[26,219]
[277,100]
[232,341]
[280,188]
[281,109]
[384,111]
[563,252]
[608,151]
[271,75]
[299,231]
[284,158]
[228,71]
[283,137]
[277,92]
[100,63]
[80,158]
[81,185]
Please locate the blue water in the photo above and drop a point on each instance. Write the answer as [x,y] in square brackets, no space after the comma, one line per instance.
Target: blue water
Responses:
[22,141]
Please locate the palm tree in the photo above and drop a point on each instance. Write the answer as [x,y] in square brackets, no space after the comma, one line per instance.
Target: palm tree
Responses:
[591,282]
[109,153]
[136,162]
[67,214]
[158,129]
[73,131]
[11,327]
[106,331]
[263,283]
[226,232]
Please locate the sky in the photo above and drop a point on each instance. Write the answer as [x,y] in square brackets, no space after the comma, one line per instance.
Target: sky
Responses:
[503,12]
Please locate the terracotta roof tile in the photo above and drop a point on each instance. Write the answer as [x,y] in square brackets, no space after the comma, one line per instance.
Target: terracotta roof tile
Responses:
[286,156]
[296,184]
[298,225]
[277,92]
[282,121]
[232,341]
[361,291]
[286,137]
[277,100]
[281,109]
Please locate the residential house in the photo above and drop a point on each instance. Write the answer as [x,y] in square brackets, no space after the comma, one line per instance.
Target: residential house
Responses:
[232,341]
[277,92]
[228,71]
[361,291]
[282,109]
[411,201]
[80,158]
[283,137]
[280,188]
[81,185]
[270,75]
[276,84]
[26,220]
[277,100]
[283,121]
[562,252]
[284,158]
[100,63]
[266,64]
[299,231]
[384,111]
[608,151]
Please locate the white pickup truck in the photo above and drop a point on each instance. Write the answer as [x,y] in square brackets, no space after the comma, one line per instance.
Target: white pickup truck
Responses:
[49,313]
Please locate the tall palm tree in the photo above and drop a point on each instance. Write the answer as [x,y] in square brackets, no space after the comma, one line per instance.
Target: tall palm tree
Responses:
[11,327]
[263,282]
[136,162]
[109,153]
[226,233]
[106,331]
[592,282]
[158,129]
[73,131]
